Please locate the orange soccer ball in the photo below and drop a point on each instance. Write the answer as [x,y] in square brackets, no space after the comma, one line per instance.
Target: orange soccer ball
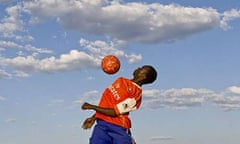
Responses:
[110,64]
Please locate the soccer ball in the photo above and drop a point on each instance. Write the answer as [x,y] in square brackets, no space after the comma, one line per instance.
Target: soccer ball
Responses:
[110,64]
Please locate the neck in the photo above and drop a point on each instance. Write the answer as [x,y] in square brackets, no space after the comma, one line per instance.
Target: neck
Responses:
[138,82]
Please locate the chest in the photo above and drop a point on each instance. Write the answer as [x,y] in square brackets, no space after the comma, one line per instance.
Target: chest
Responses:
[120,92]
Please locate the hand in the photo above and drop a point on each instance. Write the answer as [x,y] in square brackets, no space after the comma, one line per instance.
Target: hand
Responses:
[86,106]
[88,123]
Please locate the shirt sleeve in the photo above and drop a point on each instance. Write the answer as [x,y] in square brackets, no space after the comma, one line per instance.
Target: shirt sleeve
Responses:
[126,105]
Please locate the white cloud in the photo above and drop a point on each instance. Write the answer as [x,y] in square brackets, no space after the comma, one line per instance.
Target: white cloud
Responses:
[13,23]
[151,93]
[228,16]
[5,1]
[234,89]
[132,22]
[178,99]
[162,138]
[2,49]
[100,48]
[10,44]
[188,97]
[175,98]
[91,93]
[89,96]
[4,74]
[74,60]
[122,22]
[56,102]
[23,38]
[11,120]
[228,99]
[27,47]
[2,98]
[21,74]
[227,102]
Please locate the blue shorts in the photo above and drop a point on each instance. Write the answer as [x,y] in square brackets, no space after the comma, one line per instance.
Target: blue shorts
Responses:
[107,133]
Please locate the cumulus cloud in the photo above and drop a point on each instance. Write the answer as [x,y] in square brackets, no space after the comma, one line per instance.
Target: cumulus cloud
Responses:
[228,99]
[74,60]
[188,97]
[27,47]
[9,44]
[101,48]
[228,16]
[121,22]
[13,23]
[179,99]
[234,89]
[175,98]
[131,22]
[134,22]
[227,102]
[4,74]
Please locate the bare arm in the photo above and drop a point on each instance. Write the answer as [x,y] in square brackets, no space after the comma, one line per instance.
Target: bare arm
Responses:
[105,111]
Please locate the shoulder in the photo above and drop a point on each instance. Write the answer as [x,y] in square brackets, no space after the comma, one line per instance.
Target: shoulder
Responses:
[122,79]
[130,83]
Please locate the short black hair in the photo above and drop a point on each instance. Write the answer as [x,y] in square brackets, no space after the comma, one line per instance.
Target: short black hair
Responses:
[151,74]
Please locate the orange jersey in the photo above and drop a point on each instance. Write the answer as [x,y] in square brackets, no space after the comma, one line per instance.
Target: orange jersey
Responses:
[123,96]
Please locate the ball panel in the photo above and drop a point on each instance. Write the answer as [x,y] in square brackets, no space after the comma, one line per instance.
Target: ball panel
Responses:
[110,64]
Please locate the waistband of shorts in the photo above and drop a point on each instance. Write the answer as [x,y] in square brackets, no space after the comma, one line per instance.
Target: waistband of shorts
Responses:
[99,121]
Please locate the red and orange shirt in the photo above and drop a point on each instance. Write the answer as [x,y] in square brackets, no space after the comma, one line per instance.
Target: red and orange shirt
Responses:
[123,96]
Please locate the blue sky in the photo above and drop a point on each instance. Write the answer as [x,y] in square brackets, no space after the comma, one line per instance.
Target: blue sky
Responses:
[50,53]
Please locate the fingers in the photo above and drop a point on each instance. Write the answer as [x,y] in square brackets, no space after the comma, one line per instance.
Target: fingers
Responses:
[85,126]
[86,106]
[88,123]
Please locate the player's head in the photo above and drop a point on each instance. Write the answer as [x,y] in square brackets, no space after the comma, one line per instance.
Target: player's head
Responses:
[145,74]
